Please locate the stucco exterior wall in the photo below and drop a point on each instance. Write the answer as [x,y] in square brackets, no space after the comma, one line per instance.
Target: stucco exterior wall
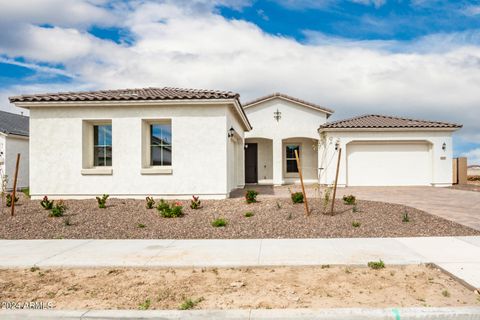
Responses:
[199,152]
[236,152]
[440,164]
[12,146]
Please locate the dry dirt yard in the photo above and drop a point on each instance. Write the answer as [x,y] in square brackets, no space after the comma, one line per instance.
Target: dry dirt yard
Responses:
[272,218]
[279,287]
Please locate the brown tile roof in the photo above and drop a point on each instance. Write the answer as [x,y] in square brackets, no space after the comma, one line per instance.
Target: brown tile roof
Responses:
[378,121]
[128,94]
[281,95]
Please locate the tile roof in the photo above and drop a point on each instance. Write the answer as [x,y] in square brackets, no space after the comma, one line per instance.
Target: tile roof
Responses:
[379,121]
[128,94]
[11,123]
[281,95]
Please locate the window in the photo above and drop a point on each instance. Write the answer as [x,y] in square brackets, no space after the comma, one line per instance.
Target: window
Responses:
[291,160]
[102,145]
[160,144]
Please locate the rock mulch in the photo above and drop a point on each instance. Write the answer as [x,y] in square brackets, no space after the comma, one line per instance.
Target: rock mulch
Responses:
[272,218]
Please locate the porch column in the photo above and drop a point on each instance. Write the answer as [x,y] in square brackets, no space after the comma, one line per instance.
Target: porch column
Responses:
[277,162]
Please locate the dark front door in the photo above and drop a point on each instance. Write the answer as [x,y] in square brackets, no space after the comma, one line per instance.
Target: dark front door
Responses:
[251,168]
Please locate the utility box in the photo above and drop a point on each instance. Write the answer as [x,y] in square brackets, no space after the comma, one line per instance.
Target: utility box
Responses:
[459,170]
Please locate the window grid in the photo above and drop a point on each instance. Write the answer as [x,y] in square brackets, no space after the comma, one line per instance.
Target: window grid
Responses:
[102,145]
[160,145]
[292,166]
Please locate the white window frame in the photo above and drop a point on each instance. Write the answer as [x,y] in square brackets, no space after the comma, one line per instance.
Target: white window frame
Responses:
[88,144]
[295,144]
[147,168]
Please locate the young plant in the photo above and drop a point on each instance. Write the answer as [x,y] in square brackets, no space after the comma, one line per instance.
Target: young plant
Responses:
[195,203]
[249,214]
[297,197]
[145,305]
[58,209]
[169,211]
[356,224]
[326,198]
[219,222]
[279,206]
[67,222]
[349,200]
[8,200]
[150,203]
[354,208]
[190,304]
[141,225]
[376,264]
[46,204]
[26,192]
[405,217]
[445,293]
[251,196]
[102,202]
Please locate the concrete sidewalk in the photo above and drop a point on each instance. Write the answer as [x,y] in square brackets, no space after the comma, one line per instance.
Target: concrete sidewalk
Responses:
[458,255]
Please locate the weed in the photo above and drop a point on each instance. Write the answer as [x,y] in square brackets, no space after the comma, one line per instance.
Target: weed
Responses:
[46,204]
[349,200]
[297,197]
[325,266]
[145,305]
[67,222]
[219,222]
[26,192]
[279,206]
[348,270]
[326,198]
[445,293]
[188,304]
[166,210]
[249,214]
[102,202]
[8,198]
[141,225]
[376,264]
[51,294]
[58,209]
[195,203]
[34,268]
[356,224]
[251,196]
[289,216]
[354,208]
[150,203]
[405,217]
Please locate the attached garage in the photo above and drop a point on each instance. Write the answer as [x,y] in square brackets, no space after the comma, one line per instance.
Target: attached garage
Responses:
[389,163]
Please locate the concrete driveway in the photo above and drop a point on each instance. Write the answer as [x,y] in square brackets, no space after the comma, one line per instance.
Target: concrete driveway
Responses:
[456,205]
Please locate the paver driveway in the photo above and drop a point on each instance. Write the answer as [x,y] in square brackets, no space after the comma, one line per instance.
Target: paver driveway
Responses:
[456,205]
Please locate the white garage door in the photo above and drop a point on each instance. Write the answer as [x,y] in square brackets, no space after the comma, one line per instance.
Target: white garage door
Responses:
[388,164]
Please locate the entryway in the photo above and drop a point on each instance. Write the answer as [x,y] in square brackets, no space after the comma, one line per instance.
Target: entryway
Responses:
[251,163]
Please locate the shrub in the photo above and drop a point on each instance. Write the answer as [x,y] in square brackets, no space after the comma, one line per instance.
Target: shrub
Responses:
[249,214]
[46,204]
[376,264]
[349,200]
[251,196]
[169,211]
[26,192]
[445,293]
[190,304]
[356,224]
[354,208]
[195,203]
[145,305]
[405,217]
[219,222]
[150,203]
[9,200]
[141,225]
[297,197]
[58,209]
[102,202]
[326,198]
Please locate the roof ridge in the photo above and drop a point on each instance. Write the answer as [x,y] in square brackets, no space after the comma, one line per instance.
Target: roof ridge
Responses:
[289,97]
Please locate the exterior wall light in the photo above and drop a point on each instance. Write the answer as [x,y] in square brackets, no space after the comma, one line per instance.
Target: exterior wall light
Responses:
[277,115]
[231,132]
[337,145]
[444,146]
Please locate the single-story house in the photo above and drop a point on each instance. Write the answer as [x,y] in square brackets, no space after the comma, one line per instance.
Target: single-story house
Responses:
[473,170]
[174,143]
[14,140]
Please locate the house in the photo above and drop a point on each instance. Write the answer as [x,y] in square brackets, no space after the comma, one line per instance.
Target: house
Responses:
[473,170]
[174,143]
[14,140]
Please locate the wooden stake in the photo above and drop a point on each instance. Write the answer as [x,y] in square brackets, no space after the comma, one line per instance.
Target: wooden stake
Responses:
[15,184]
[299,166]
[336,180]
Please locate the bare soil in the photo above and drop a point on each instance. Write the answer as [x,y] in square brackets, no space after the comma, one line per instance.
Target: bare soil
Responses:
[282,287]
[272,218]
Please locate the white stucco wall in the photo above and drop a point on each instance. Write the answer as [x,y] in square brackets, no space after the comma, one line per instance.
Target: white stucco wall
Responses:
[236,155]
[297,122]
[12,146]
[440,165]
[199,152]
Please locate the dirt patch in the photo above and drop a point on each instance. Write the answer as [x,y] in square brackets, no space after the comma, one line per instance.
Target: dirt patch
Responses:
[282,287]
[272,218]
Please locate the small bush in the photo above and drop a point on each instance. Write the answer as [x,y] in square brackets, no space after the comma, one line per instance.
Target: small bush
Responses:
[349,200]
[356,224]
[195,203]
[141,225]
[251,196]
[249,214]
[445,293]
[150,203]
[34,268]
[8,201]
[405,217]
[376,264]
[145,305]
[67,222]
[297,197]
[58,209]
[46,204]
[26,192]
[102,202]
[166,210]
[219,222]
[190,304]
[354,208]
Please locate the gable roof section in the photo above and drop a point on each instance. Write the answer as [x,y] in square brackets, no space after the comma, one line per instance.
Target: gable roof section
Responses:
[375,121]
[16,124]
[291,99]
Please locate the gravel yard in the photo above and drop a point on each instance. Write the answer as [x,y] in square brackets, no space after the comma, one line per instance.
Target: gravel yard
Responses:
[272,218]
[236,288]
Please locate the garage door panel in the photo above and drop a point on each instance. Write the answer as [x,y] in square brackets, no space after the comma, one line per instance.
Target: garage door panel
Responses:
[388,164]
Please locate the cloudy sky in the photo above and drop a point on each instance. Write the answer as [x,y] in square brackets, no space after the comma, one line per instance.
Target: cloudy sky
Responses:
[413,58]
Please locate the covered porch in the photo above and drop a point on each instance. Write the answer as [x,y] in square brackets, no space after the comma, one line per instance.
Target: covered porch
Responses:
[272,161]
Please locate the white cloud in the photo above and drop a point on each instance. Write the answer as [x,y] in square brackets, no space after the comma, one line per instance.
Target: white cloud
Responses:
[473,156]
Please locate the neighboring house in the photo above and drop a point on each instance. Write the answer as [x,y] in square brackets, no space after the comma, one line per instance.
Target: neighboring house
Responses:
[473,170]
[174,143]
[14,140]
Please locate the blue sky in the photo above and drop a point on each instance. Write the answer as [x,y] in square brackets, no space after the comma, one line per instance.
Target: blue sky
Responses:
[413,58]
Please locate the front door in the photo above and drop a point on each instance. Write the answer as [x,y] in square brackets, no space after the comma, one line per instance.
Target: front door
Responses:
[251,168]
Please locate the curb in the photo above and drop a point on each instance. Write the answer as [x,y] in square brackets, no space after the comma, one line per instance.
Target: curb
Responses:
[448,313]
